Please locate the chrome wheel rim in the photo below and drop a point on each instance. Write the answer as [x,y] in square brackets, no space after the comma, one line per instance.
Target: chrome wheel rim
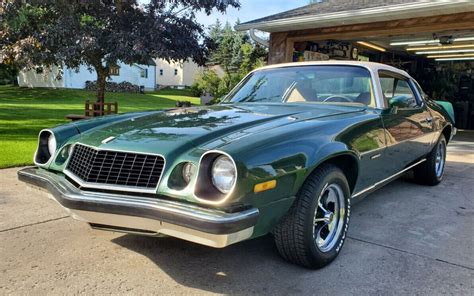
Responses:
[329,217]
[440,159]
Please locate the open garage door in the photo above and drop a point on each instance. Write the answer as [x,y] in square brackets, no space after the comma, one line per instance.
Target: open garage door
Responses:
[433,41]
[443,63]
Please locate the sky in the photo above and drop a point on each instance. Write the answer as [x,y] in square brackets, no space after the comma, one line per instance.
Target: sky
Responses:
[249,10]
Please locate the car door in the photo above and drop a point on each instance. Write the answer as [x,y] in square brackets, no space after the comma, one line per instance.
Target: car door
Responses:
[407,122]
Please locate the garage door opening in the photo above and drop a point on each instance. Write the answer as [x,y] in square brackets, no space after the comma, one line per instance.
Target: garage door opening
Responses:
[442,65]
[431,40]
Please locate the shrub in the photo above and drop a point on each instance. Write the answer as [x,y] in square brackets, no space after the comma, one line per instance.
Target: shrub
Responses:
[207,82]
[123,86]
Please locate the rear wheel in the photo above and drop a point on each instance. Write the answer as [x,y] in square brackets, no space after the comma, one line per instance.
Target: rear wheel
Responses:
[313,231]
[431,171]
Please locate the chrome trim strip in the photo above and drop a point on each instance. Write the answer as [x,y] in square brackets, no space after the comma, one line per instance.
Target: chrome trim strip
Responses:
[106,140]
[108,186]
[375,156]
[372,151]
[376,185]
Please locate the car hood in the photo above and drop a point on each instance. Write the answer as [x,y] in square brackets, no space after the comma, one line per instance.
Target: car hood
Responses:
[178,130]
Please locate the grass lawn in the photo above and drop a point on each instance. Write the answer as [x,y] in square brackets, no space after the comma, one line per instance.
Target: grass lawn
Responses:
[24,112]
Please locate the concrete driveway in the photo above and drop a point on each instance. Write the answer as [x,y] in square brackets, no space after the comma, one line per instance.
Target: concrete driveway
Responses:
[403,239]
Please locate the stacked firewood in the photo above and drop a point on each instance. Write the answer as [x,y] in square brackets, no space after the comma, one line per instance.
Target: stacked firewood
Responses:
[123,86]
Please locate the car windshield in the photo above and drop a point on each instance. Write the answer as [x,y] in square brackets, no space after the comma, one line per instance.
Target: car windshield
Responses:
[325,84]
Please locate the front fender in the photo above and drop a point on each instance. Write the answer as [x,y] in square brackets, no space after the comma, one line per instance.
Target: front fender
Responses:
[289,164]
[290,170]
[332,151]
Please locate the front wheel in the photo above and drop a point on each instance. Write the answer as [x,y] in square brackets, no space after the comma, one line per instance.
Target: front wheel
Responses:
[431,171]
[313,231]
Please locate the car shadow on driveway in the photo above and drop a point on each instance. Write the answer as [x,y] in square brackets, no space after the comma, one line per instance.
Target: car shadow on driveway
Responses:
[239,268]
[398,238]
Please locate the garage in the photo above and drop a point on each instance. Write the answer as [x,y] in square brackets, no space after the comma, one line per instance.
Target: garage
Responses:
[433,41]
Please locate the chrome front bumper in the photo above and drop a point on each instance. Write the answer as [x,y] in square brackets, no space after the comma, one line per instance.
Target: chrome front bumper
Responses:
[148,216]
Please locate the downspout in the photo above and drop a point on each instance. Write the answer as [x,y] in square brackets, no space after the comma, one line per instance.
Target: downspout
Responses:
[257,39]
[154,77]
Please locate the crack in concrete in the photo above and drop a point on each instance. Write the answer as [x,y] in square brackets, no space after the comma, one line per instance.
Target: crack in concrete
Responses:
[33,224]
[410,253]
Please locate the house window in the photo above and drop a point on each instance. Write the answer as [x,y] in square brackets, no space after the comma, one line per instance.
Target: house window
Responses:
[144,73]
[114,70]
[39,70]
[161,72]
[175,72]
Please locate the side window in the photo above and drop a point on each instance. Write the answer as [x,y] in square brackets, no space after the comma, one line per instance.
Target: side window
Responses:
[404,94]
[397,91]
[387,86]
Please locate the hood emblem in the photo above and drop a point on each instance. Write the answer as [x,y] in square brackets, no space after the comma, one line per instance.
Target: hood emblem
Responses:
[105,141]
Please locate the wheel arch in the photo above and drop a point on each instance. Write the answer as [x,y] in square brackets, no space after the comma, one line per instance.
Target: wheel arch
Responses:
[447,131]
[346,161]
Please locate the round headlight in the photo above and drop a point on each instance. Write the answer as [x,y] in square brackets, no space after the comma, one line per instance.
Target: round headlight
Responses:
[224,174]
[51,144]
[188,171]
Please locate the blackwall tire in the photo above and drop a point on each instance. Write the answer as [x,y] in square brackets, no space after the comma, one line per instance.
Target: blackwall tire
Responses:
[431,171]
[314,230]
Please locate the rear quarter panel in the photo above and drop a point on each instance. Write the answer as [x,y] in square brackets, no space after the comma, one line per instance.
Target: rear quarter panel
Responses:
[441,119]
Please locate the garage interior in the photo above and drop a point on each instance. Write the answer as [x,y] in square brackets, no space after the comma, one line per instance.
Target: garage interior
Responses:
[445,69]
[433,42]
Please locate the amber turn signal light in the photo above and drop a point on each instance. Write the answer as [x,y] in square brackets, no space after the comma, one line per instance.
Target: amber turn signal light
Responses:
[265,186]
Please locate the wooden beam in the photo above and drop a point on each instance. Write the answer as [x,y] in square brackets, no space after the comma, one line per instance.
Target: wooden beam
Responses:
[290,44]
[278,48]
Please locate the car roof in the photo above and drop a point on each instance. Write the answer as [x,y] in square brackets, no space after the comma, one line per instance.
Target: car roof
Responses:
[374,67]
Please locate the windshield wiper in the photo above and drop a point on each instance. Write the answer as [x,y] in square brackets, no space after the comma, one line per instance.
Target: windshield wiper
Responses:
[262,99]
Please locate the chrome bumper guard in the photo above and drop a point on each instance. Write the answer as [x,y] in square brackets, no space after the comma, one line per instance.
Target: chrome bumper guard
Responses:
[149,216]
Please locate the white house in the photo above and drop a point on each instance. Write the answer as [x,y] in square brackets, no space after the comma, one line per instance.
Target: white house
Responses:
[142,75]
[176,73]
[155,73]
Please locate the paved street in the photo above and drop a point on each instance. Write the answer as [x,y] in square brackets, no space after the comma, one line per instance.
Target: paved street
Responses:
[403,239]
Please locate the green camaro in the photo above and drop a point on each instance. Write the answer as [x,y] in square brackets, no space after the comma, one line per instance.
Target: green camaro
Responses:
[286,152]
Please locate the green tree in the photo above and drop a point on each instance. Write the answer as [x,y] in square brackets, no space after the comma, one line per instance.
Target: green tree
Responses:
[235,53]
[102,33]
[213,41]
[224,54]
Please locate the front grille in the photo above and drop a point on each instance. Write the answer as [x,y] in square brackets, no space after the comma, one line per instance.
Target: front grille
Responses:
[141,171]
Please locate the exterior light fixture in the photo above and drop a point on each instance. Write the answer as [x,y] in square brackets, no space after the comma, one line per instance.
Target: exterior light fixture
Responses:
[370,45]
